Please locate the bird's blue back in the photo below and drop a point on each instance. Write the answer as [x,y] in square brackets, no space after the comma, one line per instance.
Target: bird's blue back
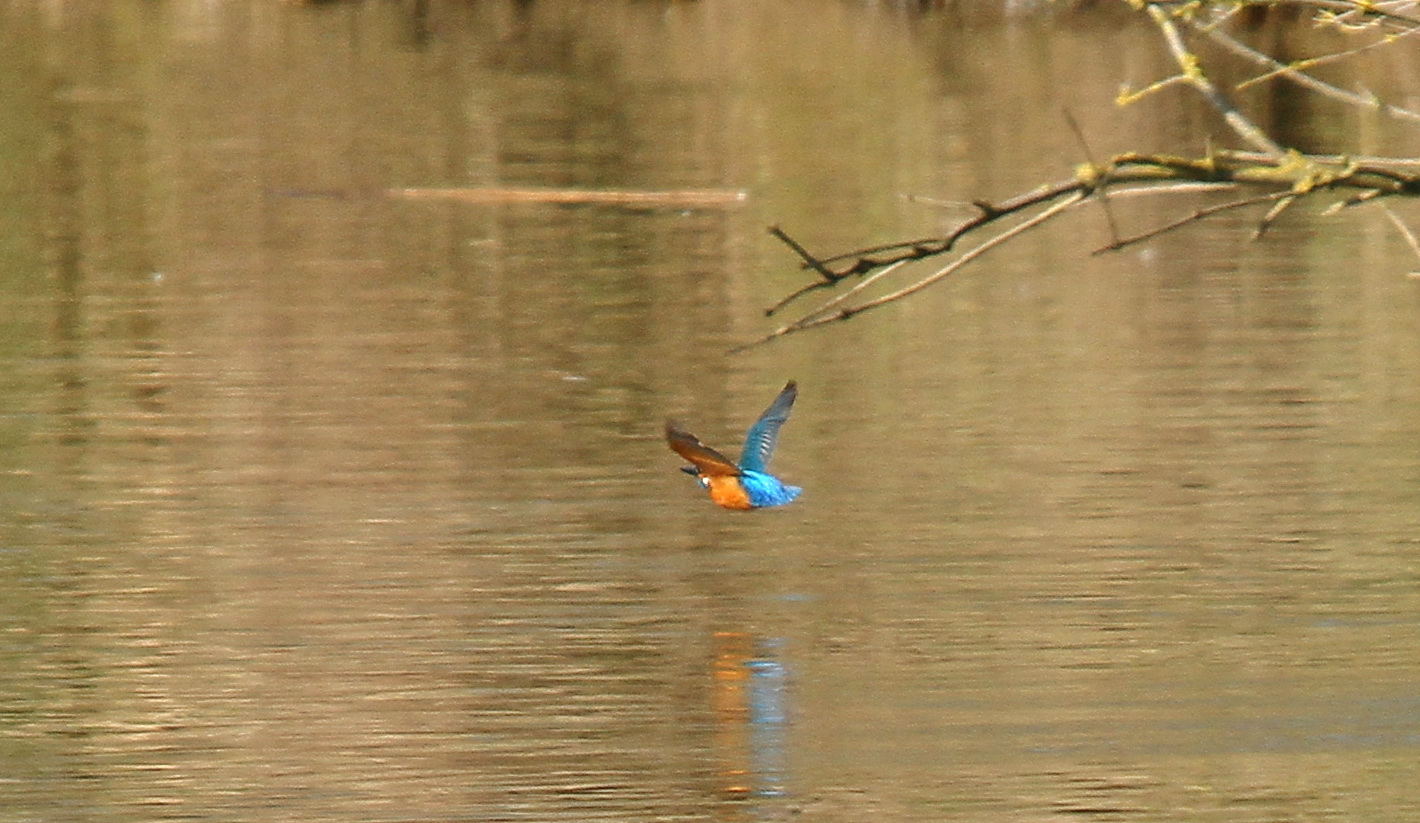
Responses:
[766,490]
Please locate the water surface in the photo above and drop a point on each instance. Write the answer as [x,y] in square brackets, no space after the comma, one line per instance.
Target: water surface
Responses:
[326,504]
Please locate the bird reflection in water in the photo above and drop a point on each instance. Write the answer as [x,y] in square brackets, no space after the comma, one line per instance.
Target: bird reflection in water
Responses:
[750,716]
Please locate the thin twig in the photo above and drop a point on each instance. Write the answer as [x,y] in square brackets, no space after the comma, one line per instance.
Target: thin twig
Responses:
[911,246]
[1102,191]
[810,262]
[1345,7]
[1404,230]
[864,262]
[1192,218]
[1188,64]
[914,250]
[1278,69]
[857,287]
[820,319]
[1364,161]
[1273,213]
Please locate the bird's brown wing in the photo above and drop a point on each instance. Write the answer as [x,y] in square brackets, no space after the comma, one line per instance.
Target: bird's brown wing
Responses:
[706,460]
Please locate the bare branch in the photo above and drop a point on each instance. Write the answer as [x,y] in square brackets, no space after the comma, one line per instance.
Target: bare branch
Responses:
[1291,177]
[1291,72]
[819,318]
[1196,216]
[858,287]
[1356,8]
[869,260]
[1244,127]
[1285,176]
[1390,164]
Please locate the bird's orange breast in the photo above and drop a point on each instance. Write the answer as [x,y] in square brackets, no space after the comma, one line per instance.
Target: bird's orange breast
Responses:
[727,491]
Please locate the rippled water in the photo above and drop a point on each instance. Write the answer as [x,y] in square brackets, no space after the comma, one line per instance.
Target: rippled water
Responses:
[327,503]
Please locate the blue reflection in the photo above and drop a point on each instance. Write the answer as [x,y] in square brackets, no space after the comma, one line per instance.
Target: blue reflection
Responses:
[768,719]
[751,701]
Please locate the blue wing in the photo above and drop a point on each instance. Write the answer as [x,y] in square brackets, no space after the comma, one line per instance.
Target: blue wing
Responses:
[760,439]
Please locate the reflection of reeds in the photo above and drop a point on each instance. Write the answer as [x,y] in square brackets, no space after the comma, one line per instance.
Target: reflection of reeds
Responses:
[678,198]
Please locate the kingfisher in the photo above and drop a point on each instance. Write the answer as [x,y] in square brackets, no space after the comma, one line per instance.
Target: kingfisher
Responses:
[748,484]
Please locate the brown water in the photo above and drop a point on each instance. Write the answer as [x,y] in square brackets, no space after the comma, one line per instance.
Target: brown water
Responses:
[323,504]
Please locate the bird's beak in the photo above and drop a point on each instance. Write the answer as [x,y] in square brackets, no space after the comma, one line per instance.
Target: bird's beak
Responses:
[690,470]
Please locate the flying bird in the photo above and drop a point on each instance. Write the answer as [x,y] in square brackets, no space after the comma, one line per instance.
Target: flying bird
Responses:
[747,484]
